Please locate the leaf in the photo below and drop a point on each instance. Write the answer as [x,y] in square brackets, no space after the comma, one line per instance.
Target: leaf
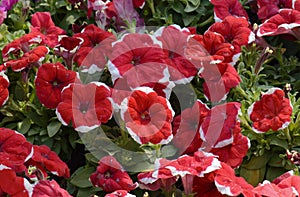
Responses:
[69,19]
[257,162]
[253,176]
[274,140]
[273,172]
[168,151]
[24,126]
[53,128]
[80,178]
[192,6]
[88,191]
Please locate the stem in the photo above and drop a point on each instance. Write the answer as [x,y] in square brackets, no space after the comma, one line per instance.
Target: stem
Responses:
[207,21]
[287,134]
[151,6]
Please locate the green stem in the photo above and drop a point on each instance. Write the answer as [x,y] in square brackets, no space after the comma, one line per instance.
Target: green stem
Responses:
[151,6]
[207,21]
[287,134]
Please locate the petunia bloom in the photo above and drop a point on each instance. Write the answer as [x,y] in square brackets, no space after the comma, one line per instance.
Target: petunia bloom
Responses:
[233,154]
[50,80]
[14,149]
[85,106]
[217,129]
[147,116]
[92,54]
[48,188]
[174,41]
[270,189]
[41,22]
[4,83]
[11,184]
[187,127]
[29,59]
[219,79]
[272,111]
[49,160]
[110,176]
[139,57]
[228,8]
[286,21]
[235,31]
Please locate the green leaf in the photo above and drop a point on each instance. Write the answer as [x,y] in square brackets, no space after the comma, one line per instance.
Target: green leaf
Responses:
[69,19]
[168,151]
[39,120]
[192,5]
[88,191]
[80,178]
[53,128]
[253,176]
[24,126]
[274,140]
[257,162]
[34,131]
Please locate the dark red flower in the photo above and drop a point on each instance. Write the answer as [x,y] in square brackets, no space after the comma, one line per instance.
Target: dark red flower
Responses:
[67,47]
[272,111]
[23,43]
[35,56]
[4,83]
[14,149]
[235,31]
[85,106]
[49,188]
[42,23]
[147,116]
[267,9]
[120,193]
[217,128]
[233,153]
[187,127]
[174,41]
[219,79]
[286,21]
[228,8]
[49,160]
[11,184]
[95,48]
[49,82]
[205,186]
[110,176]
[139,57]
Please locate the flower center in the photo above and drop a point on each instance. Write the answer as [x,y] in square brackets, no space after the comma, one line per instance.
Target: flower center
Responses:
[107,174]
[84,106]
[145,117]
[136,60]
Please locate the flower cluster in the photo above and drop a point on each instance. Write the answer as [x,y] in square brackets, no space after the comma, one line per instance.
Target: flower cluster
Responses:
[181,99]
[24,167]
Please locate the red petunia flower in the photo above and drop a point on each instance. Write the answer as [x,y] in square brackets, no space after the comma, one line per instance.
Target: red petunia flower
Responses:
[228,8]
[41,22]
[11,184]
[228,184]
[205,186]
[49,188]
[187,127]
[217,129]
[174,41]
[157,179]
[49,160]
[286,21]
[235,31]
[4,83]
[272,111]
[216,49]
[270,189]
[139,56]
[14,149]
[219,79]
[292,181]
[67,47]
[23,43]
[147,116]
[121,90]
[35,56]
[85,106]
[110,176]
[92,54]
[49,82]
[120,193]
[233,153]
